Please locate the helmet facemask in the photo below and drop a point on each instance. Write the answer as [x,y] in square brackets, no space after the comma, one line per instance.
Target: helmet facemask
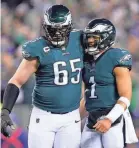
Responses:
[57,34]
[57,27]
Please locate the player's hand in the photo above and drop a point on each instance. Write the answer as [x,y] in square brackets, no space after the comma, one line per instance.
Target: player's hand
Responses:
[103,125]
[6,123]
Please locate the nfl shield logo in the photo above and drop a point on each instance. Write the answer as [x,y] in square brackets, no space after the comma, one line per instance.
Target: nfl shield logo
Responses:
[46,49]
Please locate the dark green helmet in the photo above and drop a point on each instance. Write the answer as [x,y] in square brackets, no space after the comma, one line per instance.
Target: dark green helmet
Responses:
[104,31]
[57,24]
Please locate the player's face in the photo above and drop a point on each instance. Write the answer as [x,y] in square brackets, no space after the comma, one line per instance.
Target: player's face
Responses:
[56,33]
[93,40]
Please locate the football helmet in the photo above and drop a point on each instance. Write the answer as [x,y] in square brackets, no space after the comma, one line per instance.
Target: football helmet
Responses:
[57,25]
[103,33]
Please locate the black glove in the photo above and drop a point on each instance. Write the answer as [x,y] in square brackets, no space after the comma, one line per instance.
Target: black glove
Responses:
[6,123]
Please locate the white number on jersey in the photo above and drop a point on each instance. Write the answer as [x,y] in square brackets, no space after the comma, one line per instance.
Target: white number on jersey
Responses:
[92,88]
[63,74]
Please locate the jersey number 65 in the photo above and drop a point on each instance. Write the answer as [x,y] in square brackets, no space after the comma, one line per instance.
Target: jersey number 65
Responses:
[61,76]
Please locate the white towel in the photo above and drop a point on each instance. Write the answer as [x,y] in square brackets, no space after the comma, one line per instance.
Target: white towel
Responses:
[130,136]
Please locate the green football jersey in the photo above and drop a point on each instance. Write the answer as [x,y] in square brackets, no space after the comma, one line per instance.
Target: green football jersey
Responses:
[100,82]
[58,78]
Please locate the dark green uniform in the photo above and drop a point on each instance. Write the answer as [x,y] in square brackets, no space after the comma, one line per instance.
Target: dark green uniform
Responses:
[58,78]
[101,90]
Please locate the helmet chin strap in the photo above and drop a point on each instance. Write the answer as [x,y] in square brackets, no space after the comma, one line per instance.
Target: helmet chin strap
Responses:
[60,43]
[92,51]
[95,52]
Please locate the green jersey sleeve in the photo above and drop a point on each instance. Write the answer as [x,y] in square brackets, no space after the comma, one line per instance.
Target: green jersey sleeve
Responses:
[29,51]
[122,58]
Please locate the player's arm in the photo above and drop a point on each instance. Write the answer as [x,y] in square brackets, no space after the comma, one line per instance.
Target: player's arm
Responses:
[124,87]
[24,71]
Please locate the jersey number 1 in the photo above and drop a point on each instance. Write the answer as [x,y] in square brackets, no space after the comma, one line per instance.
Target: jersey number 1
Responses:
[61,76]
[93,87]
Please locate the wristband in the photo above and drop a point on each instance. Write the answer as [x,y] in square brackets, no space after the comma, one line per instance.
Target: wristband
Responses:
[125,100]
[115,113]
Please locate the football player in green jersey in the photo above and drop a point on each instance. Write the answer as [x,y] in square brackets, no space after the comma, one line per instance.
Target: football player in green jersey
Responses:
[57,61]
[108,86]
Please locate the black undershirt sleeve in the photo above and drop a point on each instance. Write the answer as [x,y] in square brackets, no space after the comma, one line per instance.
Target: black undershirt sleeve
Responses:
[10,96]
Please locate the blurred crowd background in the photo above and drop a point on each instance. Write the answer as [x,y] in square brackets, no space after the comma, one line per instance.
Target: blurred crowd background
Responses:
[21,21]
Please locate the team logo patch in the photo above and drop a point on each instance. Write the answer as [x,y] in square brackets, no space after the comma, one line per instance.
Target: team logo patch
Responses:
[37,120]
[46,49]
[25,54]
[127,57]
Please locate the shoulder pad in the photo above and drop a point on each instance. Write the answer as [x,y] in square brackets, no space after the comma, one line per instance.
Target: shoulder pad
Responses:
[76,30]
[121,57]
[29,49]
[75,35]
